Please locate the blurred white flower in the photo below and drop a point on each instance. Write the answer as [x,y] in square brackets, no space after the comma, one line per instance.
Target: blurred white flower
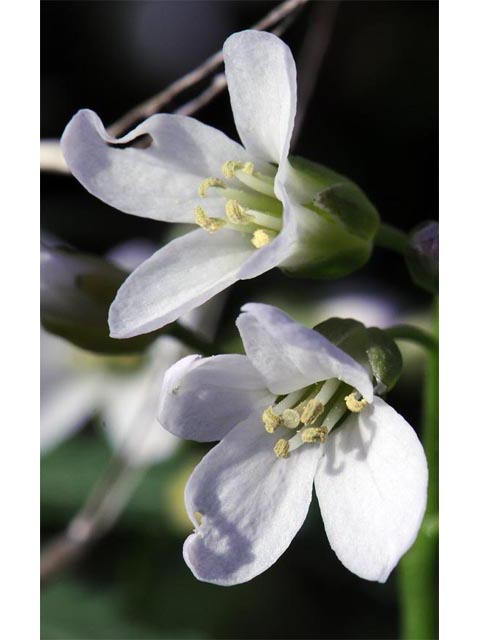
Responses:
[123,390]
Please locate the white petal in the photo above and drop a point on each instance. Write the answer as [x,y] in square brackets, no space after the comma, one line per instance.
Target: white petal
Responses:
[261,78]
[290,356]
[68,396]
[159,182]
[252,504]
[279,249]
[66,406]
[204,398]
[180,276]
[372,490]
[130,413]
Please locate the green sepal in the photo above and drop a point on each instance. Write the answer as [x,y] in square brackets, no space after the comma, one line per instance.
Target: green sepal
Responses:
[421,256]
[77,290]
[371,347]
[347,223]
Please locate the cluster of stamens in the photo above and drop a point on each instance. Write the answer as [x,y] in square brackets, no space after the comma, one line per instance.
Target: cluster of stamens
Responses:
[264,224]
[311,417]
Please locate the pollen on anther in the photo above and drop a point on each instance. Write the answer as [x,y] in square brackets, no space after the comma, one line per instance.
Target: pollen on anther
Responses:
[353,404]
[231,166]
[210,182]
[282,448]
[313,410]
[314,434]
[262,237]
[237,214]
[204,221]
[271,420]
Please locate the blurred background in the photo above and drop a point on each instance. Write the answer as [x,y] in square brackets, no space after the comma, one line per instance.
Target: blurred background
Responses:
[374,117]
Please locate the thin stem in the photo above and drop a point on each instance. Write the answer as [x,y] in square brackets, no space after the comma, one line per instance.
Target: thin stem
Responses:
[390,237]
[419,567]
[414,334]
[158,101]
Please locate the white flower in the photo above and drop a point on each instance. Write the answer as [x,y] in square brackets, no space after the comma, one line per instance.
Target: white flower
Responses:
[77,384]
[296,411]
[248,200]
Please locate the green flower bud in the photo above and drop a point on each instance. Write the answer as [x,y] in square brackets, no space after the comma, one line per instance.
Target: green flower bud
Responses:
[339,239]
[76,292]
[422,256]
[371,347]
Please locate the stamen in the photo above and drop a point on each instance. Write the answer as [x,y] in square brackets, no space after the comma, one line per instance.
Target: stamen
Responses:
[353,404]
[210,182]
[290,418]
[238,214]
[271,420]
[231,166]
[327,390]
[262,237]
[282,448]
[314,434]
[313,410]
[204,221]
[289,401]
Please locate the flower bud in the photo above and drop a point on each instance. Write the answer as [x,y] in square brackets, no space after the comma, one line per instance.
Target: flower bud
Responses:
[76,292]
[422,256]
[336,222]
[371,347]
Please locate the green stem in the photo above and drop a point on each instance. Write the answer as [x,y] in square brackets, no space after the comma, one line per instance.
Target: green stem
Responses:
[419,567]
[414,334]
[391,238]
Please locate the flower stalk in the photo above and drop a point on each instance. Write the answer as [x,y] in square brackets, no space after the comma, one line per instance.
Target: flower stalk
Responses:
[419,567]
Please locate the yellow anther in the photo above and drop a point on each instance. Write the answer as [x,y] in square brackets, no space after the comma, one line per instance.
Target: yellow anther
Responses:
[314,434]
[237,214]
[271,420]
[313,410]
[290,418]
[229,168]
[282,448]
[210,182]
[204,221]
[262,237]
[353,404]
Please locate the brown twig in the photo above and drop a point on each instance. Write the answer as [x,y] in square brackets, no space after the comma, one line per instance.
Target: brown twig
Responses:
[219,82]
[312,54]
[158,101]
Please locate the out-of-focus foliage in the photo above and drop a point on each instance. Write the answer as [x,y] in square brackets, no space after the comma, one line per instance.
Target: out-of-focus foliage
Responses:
[422,256]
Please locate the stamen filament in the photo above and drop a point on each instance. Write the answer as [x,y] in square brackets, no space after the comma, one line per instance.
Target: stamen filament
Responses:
[327,390]
[289,401]
[257,182]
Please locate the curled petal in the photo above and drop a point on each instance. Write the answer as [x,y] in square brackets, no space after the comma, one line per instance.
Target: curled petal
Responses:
[155,170]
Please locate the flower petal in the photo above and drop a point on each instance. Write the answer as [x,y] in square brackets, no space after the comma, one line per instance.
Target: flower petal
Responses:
[66,407]
[204,398]
[251,504]
[290,356]
[160,181]
[261,78]
[180,276]
[68,396]
[372,490]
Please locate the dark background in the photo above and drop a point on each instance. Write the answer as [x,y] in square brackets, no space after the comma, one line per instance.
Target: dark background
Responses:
[374,117]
